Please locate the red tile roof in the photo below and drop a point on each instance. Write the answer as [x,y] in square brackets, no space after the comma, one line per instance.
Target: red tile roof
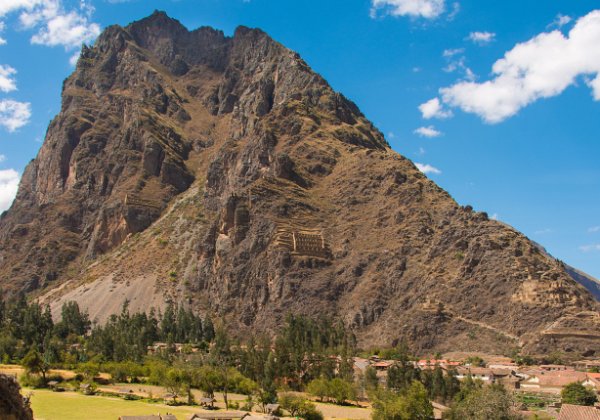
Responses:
[578,412]
[561,378]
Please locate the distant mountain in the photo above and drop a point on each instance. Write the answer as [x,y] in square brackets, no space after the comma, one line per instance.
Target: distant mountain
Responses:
[590,283]
[223,173]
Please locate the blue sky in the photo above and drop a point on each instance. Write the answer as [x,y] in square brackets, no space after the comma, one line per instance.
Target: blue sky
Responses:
[498,102]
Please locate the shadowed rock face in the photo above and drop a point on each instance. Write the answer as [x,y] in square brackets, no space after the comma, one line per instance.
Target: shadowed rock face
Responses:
[224,173]
[12,406]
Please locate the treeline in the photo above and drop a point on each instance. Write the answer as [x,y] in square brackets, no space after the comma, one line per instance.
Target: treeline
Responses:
[74,339]
[303,350]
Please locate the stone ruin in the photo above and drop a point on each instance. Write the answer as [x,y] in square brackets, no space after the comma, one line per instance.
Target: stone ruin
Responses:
[543,288]
[302,241]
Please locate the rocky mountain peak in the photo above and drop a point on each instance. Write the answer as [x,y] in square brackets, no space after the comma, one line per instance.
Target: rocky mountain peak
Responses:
[224,173]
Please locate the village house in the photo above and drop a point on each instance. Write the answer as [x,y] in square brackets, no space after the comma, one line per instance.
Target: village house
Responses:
[592,381]
[578,412]
[383,365]
[586,365]
[219,415]
[490,376]
[483,374]
[432,363]
[552,381]
[555,368]
[503,365]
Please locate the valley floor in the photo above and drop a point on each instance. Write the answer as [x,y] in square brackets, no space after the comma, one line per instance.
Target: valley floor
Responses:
[48,405]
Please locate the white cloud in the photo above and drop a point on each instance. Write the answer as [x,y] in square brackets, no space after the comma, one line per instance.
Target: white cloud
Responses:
[434,109]
[429,132]
[13,114]
[481,38]
[560,21]
[9,183]
[452,52]
[589,248]
[2,158]
[543,231]
[69,30]
[74,58]
[2,40]
[7,81]
[455,11]
[55,25]
[421,151]
[9,6]
[427,169]
[457,62]
[540,68]
[594,229]
[494,216]
[429,9]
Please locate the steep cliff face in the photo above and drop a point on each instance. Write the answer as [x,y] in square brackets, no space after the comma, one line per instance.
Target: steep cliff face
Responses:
[224,173]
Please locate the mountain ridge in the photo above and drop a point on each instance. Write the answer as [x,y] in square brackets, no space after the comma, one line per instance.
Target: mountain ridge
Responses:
[223,173]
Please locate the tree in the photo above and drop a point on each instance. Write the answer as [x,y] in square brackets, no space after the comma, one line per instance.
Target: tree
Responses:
[487,403]
[73,321]
[89,370]
[221,357]
[412,405]
[207,379]
[267,395]
[319,388]
[300,407]
[416,405]
[576,393]
[371,379]
[209,330]
[341,390]
[177,383]
[34,362]
[402,374]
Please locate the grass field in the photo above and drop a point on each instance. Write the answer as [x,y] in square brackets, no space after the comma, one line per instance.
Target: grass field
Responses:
[48,405]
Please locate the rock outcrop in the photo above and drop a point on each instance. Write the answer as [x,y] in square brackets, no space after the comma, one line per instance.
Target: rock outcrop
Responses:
[224,173]
[12,404]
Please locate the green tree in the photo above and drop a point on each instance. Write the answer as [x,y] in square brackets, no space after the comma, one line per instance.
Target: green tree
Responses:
[371,379]
[300,407]
[207,379]
[341,391]
[178,383]
[34,363]
[576,393]
[73,321]
[209,330]
[414,404]
[402,374]
[267,395]
[319,388]
[89,370]
[488,403]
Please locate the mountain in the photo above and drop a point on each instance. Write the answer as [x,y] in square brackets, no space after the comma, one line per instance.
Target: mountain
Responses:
[223,173]
[590,283]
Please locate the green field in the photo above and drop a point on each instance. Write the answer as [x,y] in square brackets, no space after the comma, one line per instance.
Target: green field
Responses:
[48,405]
